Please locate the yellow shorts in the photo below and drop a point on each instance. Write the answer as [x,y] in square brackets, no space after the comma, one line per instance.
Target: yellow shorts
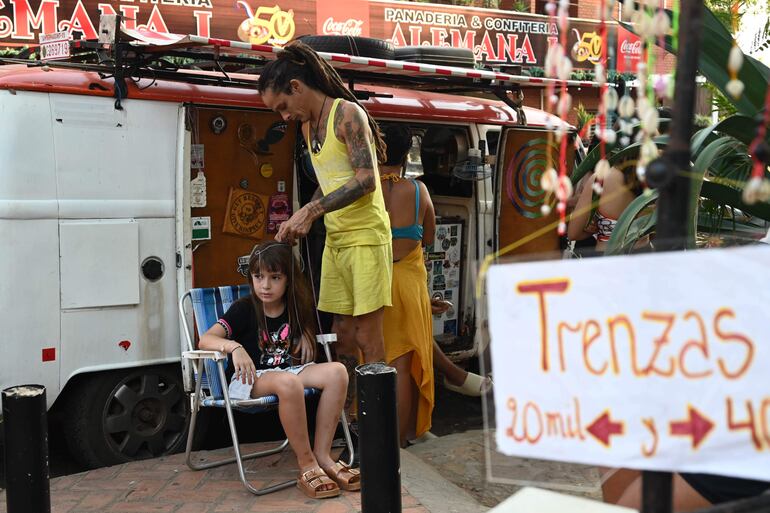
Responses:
[356,280]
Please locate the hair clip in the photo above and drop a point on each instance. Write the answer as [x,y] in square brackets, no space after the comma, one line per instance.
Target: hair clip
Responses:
[272,244]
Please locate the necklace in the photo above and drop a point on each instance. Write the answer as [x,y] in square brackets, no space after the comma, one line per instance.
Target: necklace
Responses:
[315,145]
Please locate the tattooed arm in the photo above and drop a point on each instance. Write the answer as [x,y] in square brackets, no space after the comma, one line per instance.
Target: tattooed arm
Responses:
[352,127]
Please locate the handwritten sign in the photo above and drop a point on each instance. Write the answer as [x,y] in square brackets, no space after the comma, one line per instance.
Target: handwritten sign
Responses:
[656,362]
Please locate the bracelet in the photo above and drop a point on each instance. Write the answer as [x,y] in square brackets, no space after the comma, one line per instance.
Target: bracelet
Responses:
[239,346]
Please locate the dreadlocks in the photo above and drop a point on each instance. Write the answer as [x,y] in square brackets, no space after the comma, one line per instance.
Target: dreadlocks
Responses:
[298,61]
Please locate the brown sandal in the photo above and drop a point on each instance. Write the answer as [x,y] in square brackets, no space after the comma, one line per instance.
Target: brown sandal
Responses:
[347,478]
[310,483]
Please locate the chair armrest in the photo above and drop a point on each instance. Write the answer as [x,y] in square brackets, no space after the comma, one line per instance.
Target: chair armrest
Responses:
[326,338]
[202,355]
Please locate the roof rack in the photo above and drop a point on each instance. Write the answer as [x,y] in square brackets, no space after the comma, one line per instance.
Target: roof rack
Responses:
[144,54]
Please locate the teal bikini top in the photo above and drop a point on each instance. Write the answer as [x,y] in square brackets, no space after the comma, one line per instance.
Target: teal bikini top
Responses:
[413,231]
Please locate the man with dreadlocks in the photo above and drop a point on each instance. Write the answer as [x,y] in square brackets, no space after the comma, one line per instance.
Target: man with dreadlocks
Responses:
[344,143]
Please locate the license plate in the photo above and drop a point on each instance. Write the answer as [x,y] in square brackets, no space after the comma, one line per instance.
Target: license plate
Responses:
[55,46]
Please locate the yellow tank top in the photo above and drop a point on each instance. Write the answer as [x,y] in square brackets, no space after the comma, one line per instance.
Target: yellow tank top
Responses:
[364,222]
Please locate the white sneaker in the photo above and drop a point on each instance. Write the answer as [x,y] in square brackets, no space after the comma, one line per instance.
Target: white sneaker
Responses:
[423,438]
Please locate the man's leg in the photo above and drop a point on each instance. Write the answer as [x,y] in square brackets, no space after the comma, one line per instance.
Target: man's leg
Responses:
[347,353]
[369,337]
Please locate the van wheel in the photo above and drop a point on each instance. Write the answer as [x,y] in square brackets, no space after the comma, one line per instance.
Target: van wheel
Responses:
[127,415]
[360,46]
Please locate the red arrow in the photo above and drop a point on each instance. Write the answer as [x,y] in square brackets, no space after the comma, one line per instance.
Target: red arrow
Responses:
[697,426]
[603,427]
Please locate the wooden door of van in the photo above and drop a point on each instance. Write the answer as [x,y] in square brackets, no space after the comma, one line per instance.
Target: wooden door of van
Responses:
[523,157]
[247,159]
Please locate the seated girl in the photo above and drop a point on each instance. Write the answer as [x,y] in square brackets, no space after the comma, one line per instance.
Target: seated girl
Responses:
[269,340]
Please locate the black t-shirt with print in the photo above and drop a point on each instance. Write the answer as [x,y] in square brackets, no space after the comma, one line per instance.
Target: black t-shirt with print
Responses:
[240,323]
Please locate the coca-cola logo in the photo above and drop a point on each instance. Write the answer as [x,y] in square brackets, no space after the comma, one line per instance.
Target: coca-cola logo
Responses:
[349,27]
[631,47]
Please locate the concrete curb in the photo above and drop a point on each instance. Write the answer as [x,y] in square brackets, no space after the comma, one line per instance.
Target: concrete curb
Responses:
[436,493]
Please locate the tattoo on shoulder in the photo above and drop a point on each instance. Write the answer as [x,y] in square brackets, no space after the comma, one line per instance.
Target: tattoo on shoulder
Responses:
[358,139]
[339,115]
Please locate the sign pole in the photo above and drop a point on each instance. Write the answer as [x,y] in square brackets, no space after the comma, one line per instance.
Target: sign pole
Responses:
[656,492]
[671,177]
[670,174]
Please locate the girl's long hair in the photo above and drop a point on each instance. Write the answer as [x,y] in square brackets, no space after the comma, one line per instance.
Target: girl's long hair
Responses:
[297,61]
[276,257]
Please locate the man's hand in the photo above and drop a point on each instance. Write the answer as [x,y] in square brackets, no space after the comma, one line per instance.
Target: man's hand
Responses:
[297,226]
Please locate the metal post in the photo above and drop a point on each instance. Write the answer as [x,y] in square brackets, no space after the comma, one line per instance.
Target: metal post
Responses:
[672,229]
[656,492]
[26,449]
[378,439]
[669,175]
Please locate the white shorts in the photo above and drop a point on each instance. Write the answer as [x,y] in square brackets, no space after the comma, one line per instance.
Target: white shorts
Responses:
[241,391]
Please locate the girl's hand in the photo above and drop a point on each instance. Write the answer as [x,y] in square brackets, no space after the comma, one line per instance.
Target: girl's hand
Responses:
[244,366]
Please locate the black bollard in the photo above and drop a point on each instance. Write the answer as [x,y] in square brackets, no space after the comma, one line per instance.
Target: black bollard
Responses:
[26,449]
[378,439]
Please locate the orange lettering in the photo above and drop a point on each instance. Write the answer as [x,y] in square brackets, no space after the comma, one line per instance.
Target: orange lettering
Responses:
[587,341]
[649,423]
[661,341]
[622,319]
[722,312]
[732,425]
[578,427]
[532,440]
[764,412]
[561,340]
[701,344]
[552,428]
[511,431]
[540,288]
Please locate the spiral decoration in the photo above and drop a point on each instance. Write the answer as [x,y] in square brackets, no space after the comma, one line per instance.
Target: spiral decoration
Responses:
[523,174]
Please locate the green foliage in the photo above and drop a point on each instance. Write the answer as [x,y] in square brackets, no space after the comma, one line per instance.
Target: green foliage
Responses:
[520,6]
[583,116]
[721,163]
[17,53]
[721,103]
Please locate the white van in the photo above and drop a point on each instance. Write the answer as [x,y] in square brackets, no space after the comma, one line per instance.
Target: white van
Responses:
[103,235]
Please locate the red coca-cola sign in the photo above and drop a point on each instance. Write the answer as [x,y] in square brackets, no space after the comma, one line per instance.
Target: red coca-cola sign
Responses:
[629,51]
[348,27]
[343,18]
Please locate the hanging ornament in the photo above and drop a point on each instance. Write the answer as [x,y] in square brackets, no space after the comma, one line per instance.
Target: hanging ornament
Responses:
[734,86]
[758,187]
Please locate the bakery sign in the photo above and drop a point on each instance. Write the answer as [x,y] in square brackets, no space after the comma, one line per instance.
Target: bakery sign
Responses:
[494,36]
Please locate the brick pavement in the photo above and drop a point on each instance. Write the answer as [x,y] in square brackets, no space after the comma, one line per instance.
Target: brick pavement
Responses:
[167,485]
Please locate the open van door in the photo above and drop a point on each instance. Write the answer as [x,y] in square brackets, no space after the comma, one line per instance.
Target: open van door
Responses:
[523,156]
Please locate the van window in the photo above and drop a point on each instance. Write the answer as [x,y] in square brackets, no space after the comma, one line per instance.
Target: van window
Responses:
[493,138]
[435,152]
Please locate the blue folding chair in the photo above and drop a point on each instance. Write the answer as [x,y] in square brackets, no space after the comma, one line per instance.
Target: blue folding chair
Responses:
[210,383]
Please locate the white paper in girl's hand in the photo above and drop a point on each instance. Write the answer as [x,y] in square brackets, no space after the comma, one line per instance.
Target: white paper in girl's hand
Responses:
[239,390]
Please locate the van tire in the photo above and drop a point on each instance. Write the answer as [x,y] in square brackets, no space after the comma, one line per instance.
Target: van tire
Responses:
[351,45]
[126,415]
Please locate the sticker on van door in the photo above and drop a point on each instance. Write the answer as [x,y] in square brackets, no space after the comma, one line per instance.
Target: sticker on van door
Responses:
[246,214]
[196,156]
[201,228]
